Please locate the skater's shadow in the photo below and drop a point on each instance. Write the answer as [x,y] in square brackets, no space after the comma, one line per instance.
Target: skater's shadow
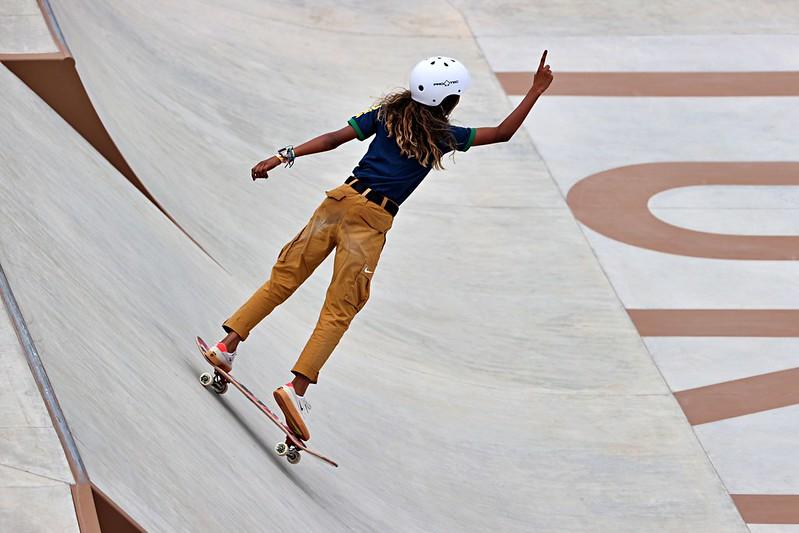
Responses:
[282,465]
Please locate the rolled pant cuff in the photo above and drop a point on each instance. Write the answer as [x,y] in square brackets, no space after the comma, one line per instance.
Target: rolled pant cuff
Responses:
[306,372]
[237,327]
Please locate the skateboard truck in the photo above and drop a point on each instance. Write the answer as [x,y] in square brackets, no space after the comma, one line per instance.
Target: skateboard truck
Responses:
[215,381]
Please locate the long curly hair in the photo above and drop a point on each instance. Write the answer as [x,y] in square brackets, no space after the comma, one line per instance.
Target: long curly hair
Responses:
[418,130]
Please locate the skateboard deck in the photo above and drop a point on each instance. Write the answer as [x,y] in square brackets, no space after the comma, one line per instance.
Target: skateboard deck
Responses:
[293,445]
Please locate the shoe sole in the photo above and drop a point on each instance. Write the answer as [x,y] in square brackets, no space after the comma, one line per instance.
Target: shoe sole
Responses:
[211,358]
[290,412]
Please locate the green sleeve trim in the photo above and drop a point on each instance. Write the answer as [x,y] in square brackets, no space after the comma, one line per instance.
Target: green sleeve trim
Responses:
[352,122]
[472,133]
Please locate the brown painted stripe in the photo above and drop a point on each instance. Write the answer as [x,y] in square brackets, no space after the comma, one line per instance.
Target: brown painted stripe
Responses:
[733,398]
[768,508]
[716,322]
[615,204]
[85,510]
[658,83]
[740,397]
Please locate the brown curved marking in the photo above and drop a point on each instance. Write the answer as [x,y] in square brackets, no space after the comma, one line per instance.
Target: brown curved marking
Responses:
[658,83]
[615,204]
[768,508]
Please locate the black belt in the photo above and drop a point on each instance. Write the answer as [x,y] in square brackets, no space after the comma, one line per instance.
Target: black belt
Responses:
[373,196]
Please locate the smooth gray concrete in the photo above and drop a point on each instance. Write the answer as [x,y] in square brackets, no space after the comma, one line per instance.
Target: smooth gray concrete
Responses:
[756,454]
[645,53]
[23,29]
[494,380]
[629,17]
[773,528]
[691,362]
[752,210]
[34,475]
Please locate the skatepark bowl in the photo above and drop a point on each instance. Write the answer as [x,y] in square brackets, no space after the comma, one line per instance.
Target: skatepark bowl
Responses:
[591,327]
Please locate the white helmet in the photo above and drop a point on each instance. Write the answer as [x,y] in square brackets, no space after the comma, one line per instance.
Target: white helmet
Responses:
[437,77]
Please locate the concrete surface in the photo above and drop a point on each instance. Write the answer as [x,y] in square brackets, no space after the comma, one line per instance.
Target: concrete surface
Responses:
[755,454]
[690,362]
[753,210]
[23,29]
[34,475]
[773,528]
[628,17]
[493,382]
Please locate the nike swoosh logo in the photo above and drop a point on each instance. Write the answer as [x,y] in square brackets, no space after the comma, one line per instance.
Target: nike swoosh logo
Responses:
[367,271]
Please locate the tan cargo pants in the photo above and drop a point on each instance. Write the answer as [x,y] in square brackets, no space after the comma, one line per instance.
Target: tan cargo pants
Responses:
[356,228]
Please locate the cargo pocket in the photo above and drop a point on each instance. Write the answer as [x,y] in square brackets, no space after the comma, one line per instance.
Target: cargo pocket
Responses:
[359,293]
[287,248]
[336,194]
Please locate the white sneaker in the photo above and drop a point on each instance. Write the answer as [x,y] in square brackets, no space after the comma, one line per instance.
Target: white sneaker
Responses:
[219,356]
[295,408]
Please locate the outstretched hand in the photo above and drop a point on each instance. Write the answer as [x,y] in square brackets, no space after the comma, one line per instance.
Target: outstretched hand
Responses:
[543,76]
[261,169]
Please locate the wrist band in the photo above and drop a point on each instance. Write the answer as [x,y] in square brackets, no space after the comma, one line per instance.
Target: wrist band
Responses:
[286,155]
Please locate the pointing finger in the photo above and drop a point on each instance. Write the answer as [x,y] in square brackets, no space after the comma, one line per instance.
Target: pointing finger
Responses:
[543,60]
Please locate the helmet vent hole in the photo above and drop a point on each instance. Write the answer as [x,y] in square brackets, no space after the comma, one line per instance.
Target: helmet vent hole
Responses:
[446,65]
[434,99]
[432,62]
[421,87]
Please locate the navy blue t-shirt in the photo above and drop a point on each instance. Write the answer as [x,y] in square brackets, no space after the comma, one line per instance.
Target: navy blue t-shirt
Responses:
[384,168]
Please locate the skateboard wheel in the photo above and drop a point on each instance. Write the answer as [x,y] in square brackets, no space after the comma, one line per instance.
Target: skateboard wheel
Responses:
[293,457]
[220,387]
[281,448]
[206,379]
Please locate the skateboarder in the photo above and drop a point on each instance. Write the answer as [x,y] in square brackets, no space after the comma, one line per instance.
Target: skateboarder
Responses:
[412,134]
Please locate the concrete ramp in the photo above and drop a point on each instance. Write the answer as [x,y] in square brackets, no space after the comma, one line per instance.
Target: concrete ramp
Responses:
[494,382]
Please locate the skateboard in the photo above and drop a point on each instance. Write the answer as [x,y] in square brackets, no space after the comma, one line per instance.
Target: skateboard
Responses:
[218,382]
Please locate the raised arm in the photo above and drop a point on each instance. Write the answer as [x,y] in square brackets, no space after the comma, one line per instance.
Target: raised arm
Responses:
[503,132]
[322,143]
